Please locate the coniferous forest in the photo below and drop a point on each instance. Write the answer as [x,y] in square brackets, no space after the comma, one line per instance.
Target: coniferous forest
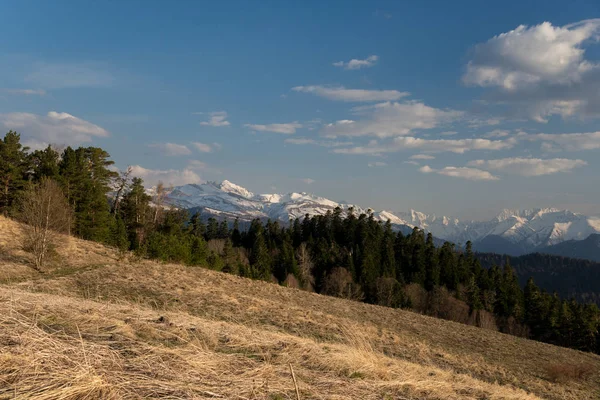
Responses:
[339,254]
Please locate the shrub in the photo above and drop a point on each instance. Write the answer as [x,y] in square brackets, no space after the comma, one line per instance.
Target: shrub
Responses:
[563,372]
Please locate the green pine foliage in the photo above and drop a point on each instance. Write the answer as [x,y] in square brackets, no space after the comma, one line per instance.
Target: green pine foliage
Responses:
[14,166]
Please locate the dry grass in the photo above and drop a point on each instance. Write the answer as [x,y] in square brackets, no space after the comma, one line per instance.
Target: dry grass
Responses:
[132,330]
[569,372]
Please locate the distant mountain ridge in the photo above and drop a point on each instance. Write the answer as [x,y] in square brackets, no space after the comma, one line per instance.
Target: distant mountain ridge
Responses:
[513,232]
[588,248]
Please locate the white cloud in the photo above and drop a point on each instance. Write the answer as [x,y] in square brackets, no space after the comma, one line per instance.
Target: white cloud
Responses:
[55,127]
[170,177]
[497,133]
[217,119]
[410,162]
[568,141]
[300,141]
[448,133]
[26,92]
[286,129]
[340,93]
[59,76]
[197,165]
[391,119]
[322,143]
[376,164]
[203,147]
[458,146]
[308,181]
[541,70]
[357,64]
[529,166]
[172,149]
[422,157]
[477,122]
[472,174]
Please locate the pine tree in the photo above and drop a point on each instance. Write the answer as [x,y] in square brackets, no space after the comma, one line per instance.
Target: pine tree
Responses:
[388,257]
[45,164]
[197,228]
[448,267]
[432,270]
[212,229]
[135,209]
[118,234]
[223,231]
[14,166]
[236,235]
[260,262]
[473,295]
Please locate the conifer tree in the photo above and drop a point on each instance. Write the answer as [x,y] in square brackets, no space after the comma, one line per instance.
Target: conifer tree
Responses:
[432,270]
[260,263]
[135,211]
[14,166]
[45,164]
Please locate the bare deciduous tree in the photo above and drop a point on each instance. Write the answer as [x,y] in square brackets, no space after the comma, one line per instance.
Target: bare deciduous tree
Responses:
[305,267]
[121,185]
[339,283]
[159,200]
[46,213]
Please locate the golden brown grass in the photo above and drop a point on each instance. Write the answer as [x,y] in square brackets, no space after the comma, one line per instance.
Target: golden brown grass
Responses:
[568,372]
[116,329]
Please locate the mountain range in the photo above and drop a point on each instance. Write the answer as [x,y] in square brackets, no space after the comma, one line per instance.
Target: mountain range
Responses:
[513,232]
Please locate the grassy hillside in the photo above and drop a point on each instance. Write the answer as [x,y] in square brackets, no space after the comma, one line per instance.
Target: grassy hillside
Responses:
[97,326]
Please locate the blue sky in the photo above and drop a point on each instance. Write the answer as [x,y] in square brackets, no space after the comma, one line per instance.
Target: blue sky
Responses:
[449,108]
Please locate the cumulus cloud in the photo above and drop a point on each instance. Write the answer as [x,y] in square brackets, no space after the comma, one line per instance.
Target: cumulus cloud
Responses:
[26,92]
[376,164]
[422,157]
[458,146]
[172,149]
[497,133]
[203,147]
[59,76]
[472,174]
[528,166]
[391,119]
[541,70]
[322,143]
[357,64]
[54,127]
[568,141]
[217,119]
[286,129]
[340,93]
[170,177]
[197,165]
[308,181]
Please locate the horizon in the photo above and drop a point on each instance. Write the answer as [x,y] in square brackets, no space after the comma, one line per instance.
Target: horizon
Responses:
[386,106]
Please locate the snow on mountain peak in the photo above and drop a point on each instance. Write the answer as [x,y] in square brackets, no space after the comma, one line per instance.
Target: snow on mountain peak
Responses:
[230,187]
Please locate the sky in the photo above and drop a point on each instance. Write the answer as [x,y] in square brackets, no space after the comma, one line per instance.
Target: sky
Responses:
[453,108]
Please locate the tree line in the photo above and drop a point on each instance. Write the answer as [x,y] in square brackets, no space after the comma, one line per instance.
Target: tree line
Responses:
[339,253]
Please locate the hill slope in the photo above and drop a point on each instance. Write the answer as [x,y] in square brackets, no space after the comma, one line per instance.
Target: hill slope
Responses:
[587,249]
[94,326]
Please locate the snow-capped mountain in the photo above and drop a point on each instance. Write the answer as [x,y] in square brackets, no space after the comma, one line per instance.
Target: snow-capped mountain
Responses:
[229,200]
[515,231]
[529,229]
